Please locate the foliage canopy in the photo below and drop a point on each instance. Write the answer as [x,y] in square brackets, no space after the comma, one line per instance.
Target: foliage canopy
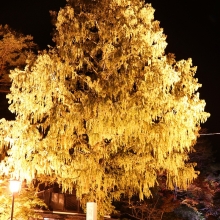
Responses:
[106,110]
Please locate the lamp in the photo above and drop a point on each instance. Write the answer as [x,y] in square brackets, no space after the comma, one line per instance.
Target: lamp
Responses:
[14,186]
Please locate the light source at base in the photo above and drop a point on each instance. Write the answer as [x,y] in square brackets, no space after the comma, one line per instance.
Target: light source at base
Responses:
[14,186]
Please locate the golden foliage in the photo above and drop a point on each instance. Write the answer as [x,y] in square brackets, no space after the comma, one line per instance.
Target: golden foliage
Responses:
[106,110]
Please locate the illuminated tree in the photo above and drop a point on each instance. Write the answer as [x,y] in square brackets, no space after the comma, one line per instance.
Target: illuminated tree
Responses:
[105,111]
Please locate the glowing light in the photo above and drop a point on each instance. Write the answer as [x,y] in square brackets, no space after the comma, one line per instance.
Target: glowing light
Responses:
[14,186]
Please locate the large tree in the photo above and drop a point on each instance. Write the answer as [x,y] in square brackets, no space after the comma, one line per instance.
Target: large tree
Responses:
[105,111]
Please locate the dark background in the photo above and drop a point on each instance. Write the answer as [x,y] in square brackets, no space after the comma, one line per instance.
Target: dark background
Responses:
[192,28]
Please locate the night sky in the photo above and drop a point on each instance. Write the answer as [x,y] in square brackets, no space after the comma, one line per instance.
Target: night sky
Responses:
[192,28]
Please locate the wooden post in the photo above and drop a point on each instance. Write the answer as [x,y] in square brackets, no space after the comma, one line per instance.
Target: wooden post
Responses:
[91,211]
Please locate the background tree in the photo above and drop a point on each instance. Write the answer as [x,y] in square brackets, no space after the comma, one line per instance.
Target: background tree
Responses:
[105,111]
[14,50]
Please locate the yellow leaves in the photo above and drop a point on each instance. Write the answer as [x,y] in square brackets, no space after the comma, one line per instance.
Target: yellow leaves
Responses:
[146,14]
[68,13]
[129,12]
